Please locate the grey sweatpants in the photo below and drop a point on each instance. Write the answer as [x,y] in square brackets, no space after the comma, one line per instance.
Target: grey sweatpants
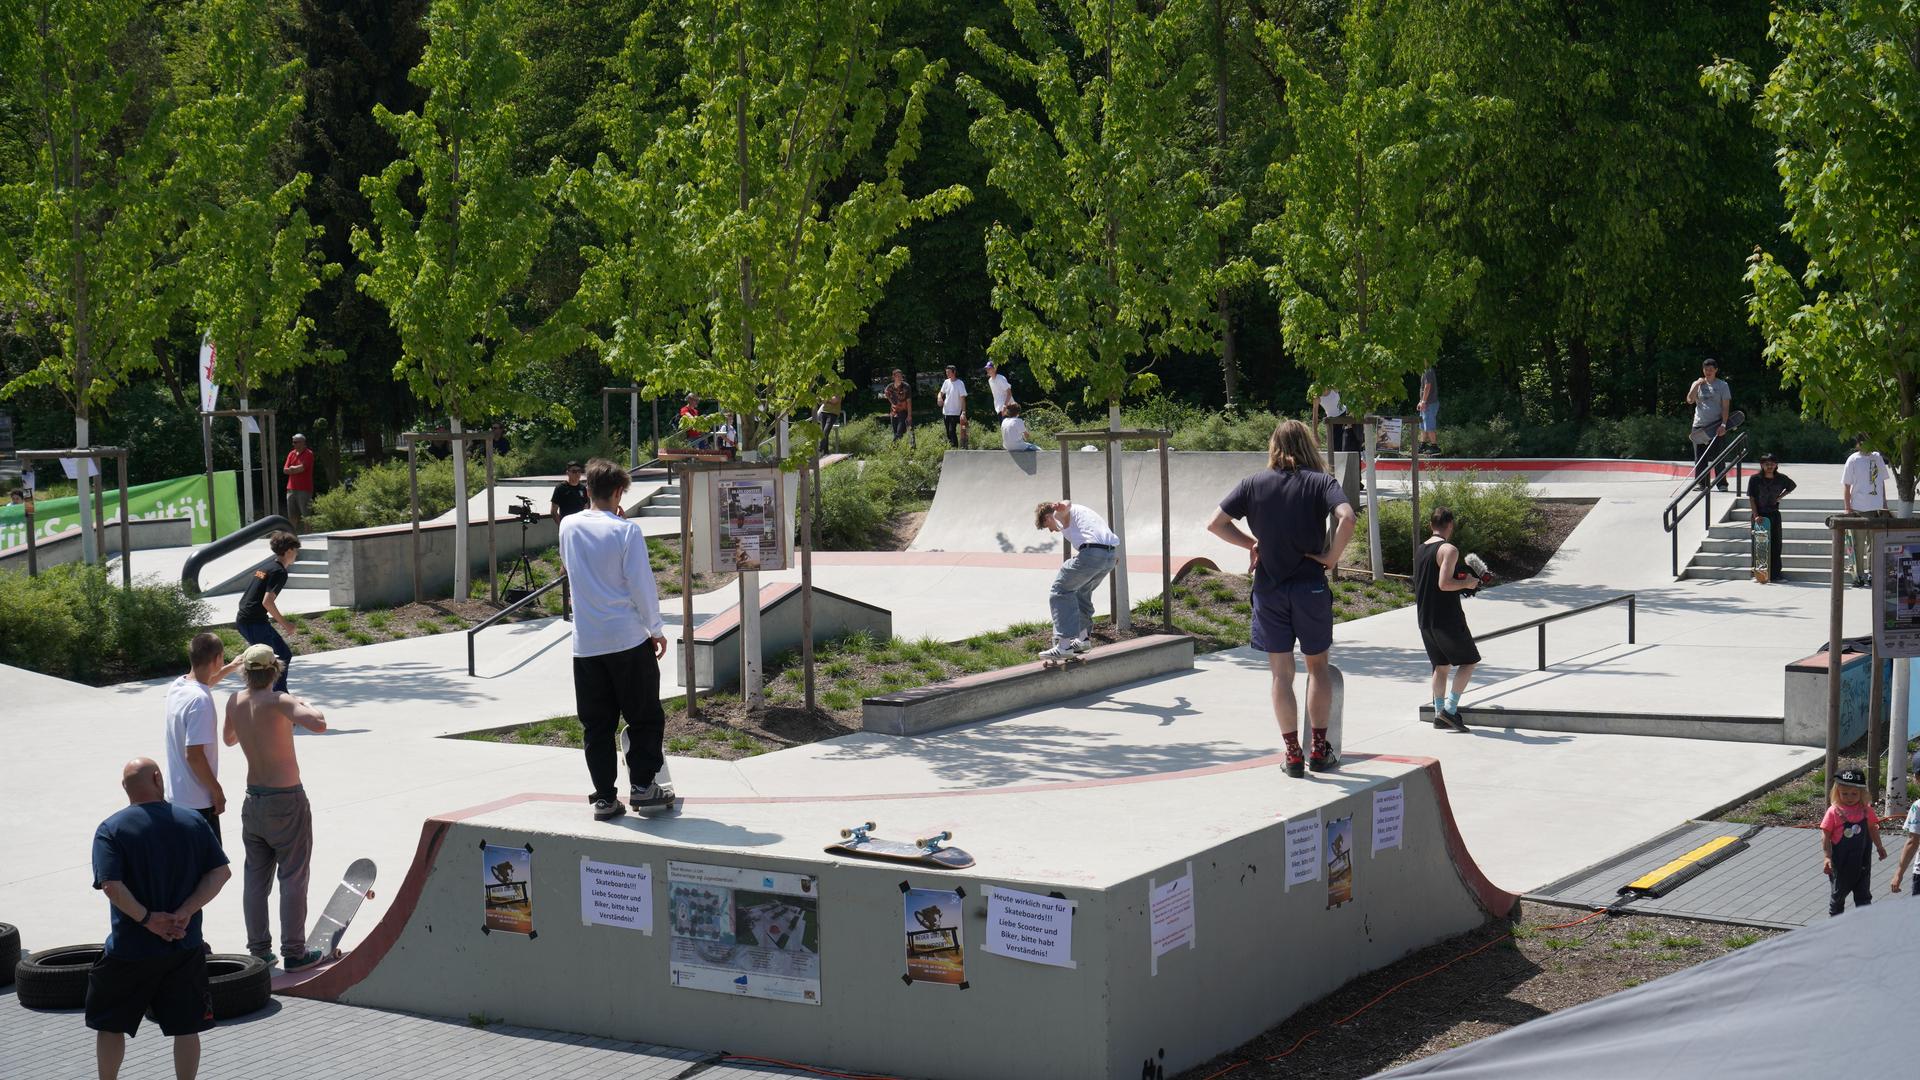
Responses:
[277,827]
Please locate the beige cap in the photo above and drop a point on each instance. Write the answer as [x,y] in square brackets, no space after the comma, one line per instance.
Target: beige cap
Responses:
[259,656]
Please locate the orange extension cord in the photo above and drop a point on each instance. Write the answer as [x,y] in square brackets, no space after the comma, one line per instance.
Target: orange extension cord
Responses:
[1396,987]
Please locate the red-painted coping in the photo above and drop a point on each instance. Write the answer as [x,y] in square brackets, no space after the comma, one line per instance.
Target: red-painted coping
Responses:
[329,982]
[1039,560]
[1607,465]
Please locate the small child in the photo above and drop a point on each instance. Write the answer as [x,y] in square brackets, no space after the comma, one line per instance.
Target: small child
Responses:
[1907,852]
[1846,831]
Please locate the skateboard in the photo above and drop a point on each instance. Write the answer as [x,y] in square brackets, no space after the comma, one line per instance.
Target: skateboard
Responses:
[860,842]
[1762,550]
[355,886]
[1050,663]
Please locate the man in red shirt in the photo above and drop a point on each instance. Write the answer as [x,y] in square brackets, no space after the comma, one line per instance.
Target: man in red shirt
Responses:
[299,470]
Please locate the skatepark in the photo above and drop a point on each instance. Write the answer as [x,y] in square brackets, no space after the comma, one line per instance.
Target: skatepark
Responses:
[1105,800]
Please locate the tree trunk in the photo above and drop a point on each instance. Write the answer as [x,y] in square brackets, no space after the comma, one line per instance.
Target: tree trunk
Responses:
[1580,377]
[462,572]
[751,691]
[1229,363]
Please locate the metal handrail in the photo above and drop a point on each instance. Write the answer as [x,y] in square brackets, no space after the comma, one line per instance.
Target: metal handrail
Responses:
[1730,458]
[566,612]
[239,538]
[1540,623]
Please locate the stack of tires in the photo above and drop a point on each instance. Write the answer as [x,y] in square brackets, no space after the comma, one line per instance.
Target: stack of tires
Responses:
[57,978]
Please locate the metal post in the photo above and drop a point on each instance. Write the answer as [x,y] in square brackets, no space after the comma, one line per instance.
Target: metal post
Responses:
[126,527]
[33,554]
[1166,543]
[206,451]
[806,580]
[633,428]
[1113,580]
[1543,645]
[656,429]
[1876,715]
[277,491]
[1413,484]
[1630,616]
[1836,602]
[686,583]
[493,553]
[1066,492]
[413,504]
[99,506]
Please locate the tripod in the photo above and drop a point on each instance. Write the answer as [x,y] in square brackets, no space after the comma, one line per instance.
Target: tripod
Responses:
[522,566]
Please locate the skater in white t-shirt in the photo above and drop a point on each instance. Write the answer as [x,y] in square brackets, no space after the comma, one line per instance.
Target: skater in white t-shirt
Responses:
[1013,430]
[1071,598]
[953,404]
[1001,389]
[1863,490]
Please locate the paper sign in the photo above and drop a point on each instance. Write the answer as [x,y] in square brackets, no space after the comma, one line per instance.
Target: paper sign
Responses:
[936,947]
[72,467]
[1172,916]
[1031,927]
[1896,578]
[1303,850]
[615,895]
[506,873]
[1339,861]
[751,933]
[1390,433]
[1389,809]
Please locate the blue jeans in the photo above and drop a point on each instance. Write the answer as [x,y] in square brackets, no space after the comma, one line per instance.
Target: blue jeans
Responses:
[1072,596]
[263,633]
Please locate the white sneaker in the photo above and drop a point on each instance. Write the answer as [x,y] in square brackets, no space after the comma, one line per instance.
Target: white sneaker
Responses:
[1060,651]
[1080,645]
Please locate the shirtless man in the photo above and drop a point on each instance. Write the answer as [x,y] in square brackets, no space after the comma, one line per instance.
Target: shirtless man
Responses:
[276,822]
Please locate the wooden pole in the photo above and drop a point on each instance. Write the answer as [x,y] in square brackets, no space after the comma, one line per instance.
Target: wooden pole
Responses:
[206,452]
[126,528]
[1166,542]
[413,505]
[686,584]
[806,581]
[493,551]
[1836,603]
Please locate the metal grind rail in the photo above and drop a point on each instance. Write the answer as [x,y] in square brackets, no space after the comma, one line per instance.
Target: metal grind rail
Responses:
[1540,624]
[566,612]
[1730,459]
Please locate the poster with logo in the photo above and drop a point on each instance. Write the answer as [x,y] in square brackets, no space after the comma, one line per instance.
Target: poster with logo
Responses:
[1896,576]
[1339,861]
[936,946]
[184,497]
[751,933]
[507,874]
[746,519]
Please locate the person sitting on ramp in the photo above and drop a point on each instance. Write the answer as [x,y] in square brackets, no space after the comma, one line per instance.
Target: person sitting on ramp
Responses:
[1072,595]
[1438,582]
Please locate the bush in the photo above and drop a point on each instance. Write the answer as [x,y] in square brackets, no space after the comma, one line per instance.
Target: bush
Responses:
[1495,438]
[74,622]
[856,499]
[1494,520]
[1656,437]
[1221,431]
[1791,438]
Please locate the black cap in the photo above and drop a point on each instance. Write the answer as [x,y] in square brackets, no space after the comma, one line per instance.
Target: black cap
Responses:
[1768,456]
[1853,778]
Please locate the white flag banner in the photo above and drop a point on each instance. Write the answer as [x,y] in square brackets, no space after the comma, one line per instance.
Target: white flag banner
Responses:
[209,389]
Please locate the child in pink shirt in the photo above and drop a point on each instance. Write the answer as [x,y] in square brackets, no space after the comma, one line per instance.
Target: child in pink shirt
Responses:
[1846,832]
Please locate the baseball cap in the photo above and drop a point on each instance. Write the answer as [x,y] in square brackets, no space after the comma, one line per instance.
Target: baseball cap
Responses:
[1852,778]
[258,657]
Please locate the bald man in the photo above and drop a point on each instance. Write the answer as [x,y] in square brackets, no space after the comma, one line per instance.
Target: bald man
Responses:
[158,864]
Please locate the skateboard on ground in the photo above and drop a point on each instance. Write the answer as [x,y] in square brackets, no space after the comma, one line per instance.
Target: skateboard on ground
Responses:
[355,886]
[1762,550]
[1050,663]
[860,842]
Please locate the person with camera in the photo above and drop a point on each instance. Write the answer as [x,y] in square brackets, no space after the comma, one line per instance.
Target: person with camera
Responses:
[570,495]
[618,639]
[1438,581]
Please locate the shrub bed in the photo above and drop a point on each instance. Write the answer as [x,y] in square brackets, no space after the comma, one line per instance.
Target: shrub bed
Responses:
[74,622]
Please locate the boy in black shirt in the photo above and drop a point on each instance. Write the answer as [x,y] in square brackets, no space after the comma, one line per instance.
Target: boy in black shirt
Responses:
[1764,492]
[258,605]
[570,496]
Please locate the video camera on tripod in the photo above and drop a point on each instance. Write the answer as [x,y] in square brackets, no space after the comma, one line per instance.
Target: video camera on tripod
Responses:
[522,511]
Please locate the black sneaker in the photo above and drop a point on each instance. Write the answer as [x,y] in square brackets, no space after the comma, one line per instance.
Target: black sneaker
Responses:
[1721,486]
[653,799]
[1323,759]
[607,809]
[1448,721]
[1296,763]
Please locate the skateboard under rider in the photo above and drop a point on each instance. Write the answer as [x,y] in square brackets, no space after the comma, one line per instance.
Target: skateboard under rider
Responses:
[928,852]
[355,886]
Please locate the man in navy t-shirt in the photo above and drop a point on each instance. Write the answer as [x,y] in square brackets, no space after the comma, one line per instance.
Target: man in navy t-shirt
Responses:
[1286,508]
[159,864]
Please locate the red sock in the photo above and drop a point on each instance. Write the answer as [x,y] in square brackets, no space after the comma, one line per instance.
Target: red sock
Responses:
[1293,739]
[1320,736]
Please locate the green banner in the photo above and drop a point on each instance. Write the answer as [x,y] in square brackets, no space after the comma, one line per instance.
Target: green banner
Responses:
[184,496]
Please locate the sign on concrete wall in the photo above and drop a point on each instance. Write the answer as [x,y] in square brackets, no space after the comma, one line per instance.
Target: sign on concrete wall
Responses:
[936,940]
[507,874]
[1029,926]
[753,933]
[1389,812]
[1896,576]
[1339,861]
[616,895]
[1171,917]
[182,497]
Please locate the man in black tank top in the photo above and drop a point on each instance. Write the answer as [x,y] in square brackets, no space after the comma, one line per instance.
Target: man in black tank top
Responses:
[1438,582]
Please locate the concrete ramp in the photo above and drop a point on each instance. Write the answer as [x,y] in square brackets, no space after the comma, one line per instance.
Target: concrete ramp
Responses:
[716,642]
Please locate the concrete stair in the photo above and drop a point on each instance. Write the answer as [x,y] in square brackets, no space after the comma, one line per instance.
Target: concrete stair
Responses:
[309,570]
[663,503]
[1806,546]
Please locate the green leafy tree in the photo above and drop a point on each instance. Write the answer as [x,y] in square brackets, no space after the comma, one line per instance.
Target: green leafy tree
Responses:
[1844,103]
[1366,278]
[81,273]
[455,231]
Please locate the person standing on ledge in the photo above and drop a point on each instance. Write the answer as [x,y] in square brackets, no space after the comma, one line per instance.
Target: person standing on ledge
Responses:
[260,602]
[618,640]
[1071,598]
[1764,494]
[299,470]
[1430,411]
[1863,491]
[1712,407]
[1286,508]
[899,404]
[570,495]
[1000,388]
[158,865]
[953,404]
[1437,585]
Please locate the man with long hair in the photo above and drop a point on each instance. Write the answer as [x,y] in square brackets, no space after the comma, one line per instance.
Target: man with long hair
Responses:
[1286,508]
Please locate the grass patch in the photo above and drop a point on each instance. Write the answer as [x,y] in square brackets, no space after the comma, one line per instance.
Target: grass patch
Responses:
[1741,941]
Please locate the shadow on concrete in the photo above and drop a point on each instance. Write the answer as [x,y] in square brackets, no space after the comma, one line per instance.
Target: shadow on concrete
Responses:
[519,662]
[1515,736]
[266,1012]
[1007,546]
[1019,752]
[1182,706]
[688,829]
[409,682]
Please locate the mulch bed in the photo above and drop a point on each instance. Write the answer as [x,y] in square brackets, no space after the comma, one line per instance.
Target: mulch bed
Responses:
[1556,522]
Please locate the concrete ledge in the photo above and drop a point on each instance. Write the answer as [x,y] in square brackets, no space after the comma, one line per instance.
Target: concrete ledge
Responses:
[1806,697]
[716,642]
[1758,729]
[991,693]
[371,568]
[145,534]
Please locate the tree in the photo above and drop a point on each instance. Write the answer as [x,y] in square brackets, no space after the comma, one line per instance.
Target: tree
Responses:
[1844,103]
[445,270]
[741,260]
[1116,264]
[80,273]
[1366,278]
[247,255]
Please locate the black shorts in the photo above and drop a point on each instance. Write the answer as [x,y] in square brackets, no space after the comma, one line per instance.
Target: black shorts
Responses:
[1449,646]
[174,986]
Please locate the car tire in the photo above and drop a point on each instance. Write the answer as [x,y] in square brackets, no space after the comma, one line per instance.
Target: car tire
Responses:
[239,984]
[9,952]
[55,978]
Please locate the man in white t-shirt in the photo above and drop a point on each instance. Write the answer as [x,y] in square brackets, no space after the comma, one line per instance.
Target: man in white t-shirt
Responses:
[1013,430]
[618,639]
[1001,388]
[953,404]
[193,731]
[1071,598]
[1863,490]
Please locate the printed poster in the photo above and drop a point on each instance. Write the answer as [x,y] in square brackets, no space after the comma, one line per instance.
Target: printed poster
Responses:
[751,933]
[1339,861]
[1896,577]
[747,516]
[936,946]
[1303,851]
[1389,815]
[183,497]
[507,873]
[615,895]
[1028,926]
[1170,908]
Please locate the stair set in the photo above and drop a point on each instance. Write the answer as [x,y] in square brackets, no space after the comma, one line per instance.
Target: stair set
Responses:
[309,569]
[1806,552]
[663,503]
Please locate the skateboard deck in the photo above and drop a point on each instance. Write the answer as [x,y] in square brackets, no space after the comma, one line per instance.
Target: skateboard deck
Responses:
[1050,663]
[1734,420]
[355,886]
[1762,550]
[860,843]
